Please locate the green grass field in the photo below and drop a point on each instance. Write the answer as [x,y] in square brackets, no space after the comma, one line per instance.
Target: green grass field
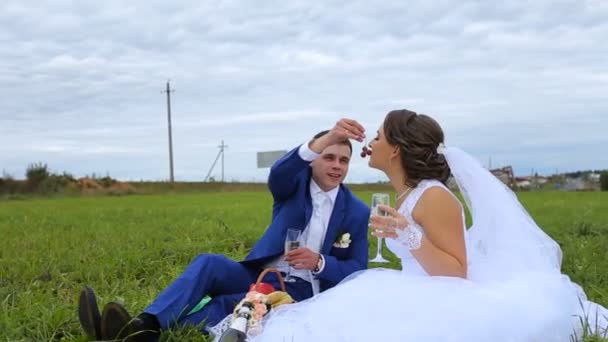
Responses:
[129,248]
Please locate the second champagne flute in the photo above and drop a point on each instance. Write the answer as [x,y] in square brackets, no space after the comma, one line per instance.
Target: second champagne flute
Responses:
[379,199]
[292,241]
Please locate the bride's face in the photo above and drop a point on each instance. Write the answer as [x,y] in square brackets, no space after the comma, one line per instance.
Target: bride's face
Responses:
[382,151]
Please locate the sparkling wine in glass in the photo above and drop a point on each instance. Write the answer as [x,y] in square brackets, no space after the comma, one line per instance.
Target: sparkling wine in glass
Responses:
[379,199]
[292,241]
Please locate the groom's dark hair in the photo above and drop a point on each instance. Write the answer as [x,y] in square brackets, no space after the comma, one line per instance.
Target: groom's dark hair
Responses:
[343,142]
[418,137]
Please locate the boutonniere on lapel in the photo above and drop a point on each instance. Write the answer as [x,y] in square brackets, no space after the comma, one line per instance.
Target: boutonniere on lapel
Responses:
[343,240]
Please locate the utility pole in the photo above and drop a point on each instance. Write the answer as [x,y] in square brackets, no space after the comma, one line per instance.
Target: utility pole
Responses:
[222,146]
[219,154]
[168,91]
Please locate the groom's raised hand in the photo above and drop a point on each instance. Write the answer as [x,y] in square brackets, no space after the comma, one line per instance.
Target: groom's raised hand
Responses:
[343,130]
[302,259]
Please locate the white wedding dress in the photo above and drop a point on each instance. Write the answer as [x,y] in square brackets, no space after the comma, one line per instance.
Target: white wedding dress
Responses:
[514,290]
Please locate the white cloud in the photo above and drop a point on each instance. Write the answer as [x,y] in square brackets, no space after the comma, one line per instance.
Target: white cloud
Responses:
[257,119]
[81,82]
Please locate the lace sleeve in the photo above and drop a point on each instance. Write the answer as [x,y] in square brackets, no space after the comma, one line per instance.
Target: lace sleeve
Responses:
[410,236]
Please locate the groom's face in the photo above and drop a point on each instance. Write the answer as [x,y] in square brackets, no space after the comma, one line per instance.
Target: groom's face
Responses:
[330,168]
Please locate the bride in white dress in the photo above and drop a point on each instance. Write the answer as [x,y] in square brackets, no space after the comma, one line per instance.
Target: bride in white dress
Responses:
[500,280]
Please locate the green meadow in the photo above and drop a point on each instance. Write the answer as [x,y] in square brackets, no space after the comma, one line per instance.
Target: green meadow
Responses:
[129,248]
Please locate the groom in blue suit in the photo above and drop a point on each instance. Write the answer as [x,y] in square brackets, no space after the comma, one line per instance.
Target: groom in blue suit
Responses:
[306,185]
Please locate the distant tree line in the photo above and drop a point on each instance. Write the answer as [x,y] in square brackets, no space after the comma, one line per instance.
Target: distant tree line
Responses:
[41,181]
[577,174]
[38,180]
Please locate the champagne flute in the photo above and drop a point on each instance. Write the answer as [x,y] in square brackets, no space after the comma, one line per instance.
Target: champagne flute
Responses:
[292,241]
[379,199]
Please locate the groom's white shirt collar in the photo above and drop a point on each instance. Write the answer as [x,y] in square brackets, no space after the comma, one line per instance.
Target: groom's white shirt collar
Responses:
[315,190]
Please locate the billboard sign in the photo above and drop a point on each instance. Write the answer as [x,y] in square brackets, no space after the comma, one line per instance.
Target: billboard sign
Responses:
[267,158]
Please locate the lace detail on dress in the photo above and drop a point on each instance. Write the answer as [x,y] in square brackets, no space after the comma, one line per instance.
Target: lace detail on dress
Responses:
[410,236]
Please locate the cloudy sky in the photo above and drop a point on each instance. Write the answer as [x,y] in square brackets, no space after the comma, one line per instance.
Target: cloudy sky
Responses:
[521,83]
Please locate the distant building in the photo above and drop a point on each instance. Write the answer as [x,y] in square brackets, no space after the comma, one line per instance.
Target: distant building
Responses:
[505,174]
[579,184]
[594,177]
[573,184]
[530,182]
[523,183]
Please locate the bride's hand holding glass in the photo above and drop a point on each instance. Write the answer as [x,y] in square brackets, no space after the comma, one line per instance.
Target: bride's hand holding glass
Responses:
[396,226]
[386,226]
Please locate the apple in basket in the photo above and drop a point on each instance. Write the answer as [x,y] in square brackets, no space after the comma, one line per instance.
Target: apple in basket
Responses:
[264,288]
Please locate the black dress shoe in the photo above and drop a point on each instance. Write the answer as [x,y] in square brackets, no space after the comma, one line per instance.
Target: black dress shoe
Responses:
[117,324]
[88,313]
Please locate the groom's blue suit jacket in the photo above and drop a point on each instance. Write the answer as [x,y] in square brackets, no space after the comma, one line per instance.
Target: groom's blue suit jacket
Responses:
[289,182]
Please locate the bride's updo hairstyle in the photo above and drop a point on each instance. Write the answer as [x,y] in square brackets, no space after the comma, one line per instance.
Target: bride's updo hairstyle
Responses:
[418,137]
